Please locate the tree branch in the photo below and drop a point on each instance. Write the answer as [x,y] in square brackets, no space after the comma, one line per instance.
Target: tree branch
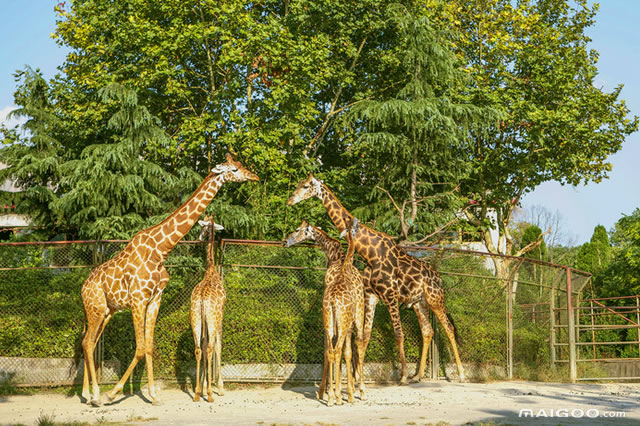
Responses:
[332,111]
[533,244]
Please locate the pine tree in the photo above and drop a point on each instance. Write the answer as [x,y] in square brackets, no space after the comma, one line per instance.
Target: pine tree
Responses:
[113,187]
[595,255]
[415,139]
[33,155]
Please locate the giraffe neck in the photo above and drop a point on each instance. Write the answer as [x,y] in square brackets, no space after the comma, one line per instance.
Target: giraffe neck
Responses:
[182,220]
[211,262]
[331,247]
[370,244]
[337,213]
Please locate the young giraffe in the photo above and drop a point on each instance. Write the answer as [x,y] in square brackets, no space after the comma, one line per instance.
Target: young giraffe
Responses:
[392,276]
[207,307]
[342,309]
[136,277]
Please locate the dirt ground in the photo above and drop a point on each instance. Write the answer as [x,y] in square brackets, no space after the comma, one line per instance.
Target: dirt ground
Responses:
[419,403]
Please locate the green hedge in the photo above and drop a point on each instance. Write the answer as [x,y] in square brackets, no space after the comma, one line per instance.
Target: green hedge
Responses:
[272,315]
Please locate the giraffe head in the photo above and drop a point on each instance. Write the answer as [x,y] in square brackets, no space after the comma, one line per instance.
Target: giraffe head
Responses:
[310,187]
[233,171]
[352,226]
[304,232]
[206,227]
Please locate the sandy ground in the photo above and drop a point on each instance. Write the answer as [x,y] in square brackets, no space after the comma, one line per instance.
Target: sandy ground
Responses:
[418,403]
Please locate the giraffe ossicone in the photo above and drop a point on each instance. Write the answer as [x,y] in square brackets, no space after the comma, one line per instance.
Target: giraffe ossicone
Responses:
[205,315]
[342,310]
[136,277]
[392,276]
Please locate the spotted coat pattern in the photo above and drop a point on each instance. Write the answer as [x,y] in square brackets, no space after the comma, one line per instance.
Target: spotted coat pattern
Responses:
[136,277]
[392,276]
[205,314]
[342,311]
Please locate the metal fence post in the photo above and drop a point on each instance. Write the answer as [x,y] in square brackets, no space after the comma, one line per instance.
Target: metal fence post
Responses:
[552,324]
[638,320]
[571,330]
[509,328]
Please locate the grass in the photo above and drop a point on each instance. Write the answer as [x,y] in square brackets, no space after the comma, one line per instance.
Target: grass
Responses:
[8,387]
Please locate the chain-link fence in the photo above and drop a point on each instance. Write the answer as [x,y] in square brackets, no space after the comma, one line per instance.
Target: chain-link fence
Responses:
[510,314]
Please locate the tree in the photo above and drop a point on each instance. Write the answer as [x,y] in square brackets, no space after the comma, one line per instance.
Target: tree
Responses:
[532,234]
[595,255]
[265,80]
[112,187]
[415,138]
[532,58]
[34,155]
[622,276]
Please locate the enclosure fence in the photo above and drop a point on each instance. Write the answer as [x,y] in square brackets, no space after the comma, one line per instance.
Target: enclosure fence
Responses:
[513,324]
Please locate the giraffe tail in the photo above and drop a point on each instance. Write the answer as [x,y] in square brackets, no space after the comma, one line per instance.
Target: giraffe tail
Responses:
[455,329]
[204,338]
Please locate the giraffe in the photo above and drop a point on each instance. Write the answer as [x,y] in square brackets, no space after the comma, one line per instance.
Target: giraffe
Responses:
[207,307]
[392,276]
[342,309]
[136,277]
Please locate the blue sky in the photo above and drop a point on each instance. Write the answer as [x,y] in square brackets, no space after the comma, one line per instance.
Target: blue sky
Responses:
[616,36]
[26,31]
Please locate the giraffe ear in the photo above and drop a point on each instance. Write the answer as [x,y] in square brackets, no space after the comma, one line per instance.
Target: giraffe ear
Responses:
[218,227]
[229,158]
[203,223]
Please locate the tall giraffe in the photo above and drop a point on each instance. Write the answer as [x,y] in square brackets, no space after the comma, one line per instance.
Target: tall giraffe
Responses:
[136,277]
[342,310]
[392,276]
[205,315]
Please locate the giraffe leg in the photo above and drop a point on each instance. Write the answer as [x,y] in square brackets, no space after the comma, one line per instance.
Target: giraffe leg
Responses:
[347,361]
[219,361]
[422,312]
[330,389]
[149,327]
[211,340]
[137,312]
[337,359]
[209,369]
[196,328]
[441,313]
[370,302]
[360,345]
[95,322]
[325,370]
[394,312]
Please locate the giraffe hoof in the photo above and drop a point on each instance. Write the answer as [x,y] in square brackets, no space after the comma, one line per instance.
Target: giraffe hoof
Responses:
[156,402]
[94,403]
[196,398]
[363,397]
[416,379]
[339,401]
[210,397]
[404,381]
